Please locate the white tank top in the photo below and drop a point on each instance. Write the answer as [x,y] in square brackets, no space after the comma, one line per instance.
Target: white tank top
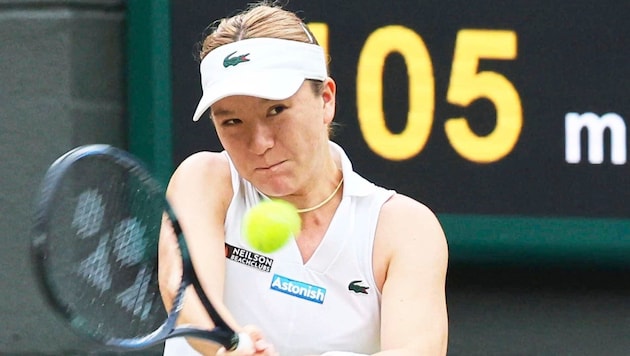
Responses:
[330,302]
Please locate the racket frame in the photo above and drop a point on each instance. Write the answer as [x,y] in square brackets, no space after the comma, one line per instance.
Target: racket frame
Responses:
[221,333]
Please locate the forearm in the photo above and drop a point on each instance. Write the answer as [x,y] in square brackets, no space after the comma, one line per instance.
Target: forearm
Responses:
[195,314]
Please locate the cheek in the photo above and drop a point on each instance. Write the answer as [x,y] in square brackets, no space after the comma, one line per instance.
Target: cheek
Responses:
[329,113]
[298,129]
[222,138]
[230,142]
[315,116]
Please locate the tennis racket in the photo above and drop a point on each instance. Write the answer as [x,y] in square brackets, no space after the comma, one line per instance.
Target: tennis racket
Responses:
[98,219]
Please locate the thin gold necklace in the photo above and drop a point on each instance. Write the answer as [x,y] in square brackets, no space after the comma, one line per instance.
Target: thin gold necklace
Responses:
[306,210]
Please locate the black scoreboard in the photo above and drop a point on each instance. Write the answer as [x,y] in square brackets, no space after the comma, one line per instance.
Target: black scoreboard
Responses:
[509,119]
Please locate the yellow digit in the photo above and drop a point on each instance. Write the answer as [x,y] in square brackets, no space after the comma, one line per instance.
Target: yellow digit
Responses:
[320,31]
[378,137]
[467,85]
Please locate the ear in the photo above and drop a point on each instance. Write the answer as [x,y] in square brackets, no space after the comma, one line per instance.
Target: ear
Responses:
[329,92]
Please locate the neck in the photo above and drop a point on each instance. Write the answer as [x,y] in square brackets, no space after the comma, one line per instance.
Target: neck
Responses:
[323,202]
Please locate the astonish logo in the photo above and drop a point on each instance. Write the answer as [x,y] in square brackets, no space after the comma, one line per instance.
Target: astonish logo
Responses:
[298,289]
[233,61]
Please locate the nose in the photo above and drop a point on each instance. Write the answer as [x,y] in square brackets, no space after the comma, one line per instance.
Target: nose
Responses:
[261,138]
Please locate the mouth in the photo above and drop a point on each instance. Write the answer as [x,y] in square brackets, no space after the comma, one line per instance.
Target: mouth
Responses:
[271,167]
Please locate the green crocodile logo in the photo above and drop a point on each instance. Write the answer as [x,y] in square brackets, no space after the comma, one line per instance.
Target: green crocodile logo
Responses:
[355,287]
[233,61]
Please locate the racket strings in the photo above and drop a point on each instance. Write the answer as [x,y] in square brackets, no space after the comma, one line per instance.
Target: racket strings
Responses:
[105,236]
[89,212]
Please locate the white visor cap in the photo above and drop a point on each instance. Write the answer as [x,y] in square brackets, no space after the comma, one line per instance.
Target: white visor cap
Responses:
[267,68]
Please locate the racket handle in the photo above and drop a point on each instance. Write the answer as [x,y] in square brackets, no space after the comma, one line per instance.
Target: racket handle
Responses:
[245,342]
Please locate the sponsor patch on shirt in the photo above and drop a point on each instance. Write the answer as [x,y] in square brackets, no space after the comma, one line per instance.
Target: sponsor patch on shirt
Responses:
[298,289]
[248,258]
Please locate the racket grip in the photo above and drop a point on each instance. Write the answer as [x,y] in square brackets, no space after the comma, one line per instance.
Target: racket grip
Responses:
[245,343]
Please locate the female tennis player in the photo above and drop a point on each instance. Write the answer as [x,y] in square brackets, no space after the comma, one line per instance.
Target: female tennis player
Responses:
[366,274]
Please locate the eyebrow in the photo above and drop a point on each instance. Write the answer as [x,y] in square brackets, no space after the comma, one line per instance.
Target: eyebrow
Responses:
[228,112]
[220,112]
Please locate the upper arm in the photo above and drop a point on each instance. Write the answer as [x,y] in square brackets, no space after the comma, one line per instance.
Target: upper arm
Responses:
[199,192]
[413,249]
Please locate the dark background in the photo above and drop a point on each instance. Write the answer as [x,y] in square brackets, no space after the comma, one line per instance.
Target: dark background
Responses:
[572,57]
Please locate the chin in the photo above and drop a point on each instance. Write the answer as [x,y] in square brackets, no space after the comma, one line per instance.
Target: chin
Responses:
[273,189]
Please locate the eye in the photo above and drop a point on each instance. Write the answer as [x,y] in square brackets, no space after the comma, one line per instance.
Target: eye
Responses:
[230,122]
[276,110]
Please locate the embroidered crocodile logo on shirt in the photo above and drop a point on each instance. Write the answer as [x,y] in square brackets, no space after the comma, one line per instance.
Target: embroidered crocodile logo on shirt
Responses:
[357,288]
[233,61]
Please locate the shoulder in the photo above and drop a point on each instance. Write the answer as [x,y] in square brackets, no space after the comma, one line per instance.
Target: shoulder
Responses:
[203,163]
[201,176]
[409,228]
[405,211]
[201,168]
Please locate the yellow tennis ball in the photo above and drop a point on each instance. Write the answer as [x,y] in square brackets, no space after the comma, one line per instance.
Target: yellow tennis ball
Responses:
[270,224]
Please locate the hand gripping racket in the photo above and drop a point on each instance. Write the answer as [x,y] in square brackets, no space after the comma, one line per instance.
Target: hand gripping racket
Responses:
[95,247]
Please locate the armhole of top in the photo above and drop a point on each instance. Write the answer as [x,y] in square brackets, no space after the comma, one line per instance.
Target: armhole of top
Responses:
[376,205]
[234,180]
